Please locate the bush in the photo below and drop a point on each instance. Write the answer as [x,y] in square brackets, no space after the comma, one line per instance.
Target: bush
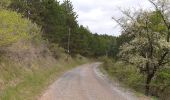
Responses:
[14,28]
[4,3]
[125,73]
[129,75]
[161,84]
[57,52]
[107,63]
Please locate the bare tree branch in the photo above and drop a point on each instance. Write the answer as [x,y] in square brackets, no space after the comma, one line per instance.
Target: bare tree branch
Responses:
[162,14]
[120,24]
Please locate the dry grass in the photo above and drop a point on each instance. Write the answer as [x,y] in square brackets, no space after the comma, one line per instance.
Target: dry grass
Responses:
[22,83]
[26,70]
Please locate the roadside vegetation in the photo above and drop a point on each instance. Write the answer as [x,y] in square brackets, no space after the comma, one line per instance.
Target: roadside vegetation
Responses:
[28,83]
[35,48]
[130,77]
[41,39]
[143,50]
[28,64]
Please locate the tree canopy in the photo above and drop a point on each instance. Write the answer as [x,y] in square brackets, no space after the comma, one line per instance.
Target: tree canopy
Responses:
[56,20]
[148,47]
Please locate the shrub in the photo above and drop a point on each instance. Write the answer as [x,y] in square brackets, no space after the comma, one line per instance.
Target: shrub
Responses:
[57,52]
[20,39]
[14,28]
[128,74]
[161,84]
[4,3]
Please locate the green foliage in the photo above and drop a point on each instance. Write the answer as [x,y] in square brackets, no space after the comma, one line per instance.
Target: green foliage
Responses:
[29,66]
[32,9]
[14,28]
[56,51]
[144,43]
[148,41]
[125,73]
[161,86]
[21,83]
[4,3]
[56,18]
[148,48]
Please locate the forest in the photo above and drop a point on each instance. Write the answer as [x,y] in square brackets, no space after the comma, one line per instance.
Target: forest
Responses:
[58,22]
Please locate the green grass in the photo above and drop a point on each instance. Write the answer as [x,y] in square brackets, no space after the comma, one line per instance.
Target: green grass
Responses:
[33,81]
[129,76]
[126,75]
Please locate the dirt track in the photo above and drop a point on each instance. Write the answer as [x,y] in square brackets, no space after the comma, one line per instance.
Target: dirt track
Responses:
[85,83]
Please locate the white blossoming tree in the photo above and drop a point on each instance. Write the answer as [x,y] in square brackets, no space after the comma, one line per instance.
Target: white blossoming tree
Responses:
[149,48]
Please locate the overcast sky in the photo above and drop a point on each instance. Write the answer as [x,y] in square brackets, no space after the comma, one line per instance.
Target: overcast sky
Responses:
[97,14]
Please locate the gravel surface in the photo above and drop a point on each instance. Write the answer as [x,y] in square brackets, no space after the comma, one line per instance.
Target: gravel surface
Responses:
[85,83]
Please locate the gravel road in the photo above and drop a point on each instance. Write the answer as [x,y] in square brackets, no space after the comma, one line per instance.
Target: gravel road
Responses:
[85,83]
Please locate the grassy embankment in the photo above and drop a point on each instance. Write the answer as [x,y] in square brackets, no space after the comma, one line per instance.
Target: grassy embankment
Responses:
[20,83]
[28,63]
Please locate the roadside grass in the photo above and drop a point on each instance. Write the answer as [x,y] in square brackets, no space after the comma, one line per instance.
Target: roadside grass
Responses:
[28,83]
[126,75]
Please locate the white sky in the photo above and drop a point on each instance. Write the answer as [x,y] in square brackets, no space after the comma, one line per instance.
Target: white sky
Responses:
[97,14]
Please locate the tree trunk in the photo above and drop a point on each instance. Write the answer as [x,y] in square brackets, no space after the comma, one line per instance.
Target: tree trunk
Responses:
[147,84]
